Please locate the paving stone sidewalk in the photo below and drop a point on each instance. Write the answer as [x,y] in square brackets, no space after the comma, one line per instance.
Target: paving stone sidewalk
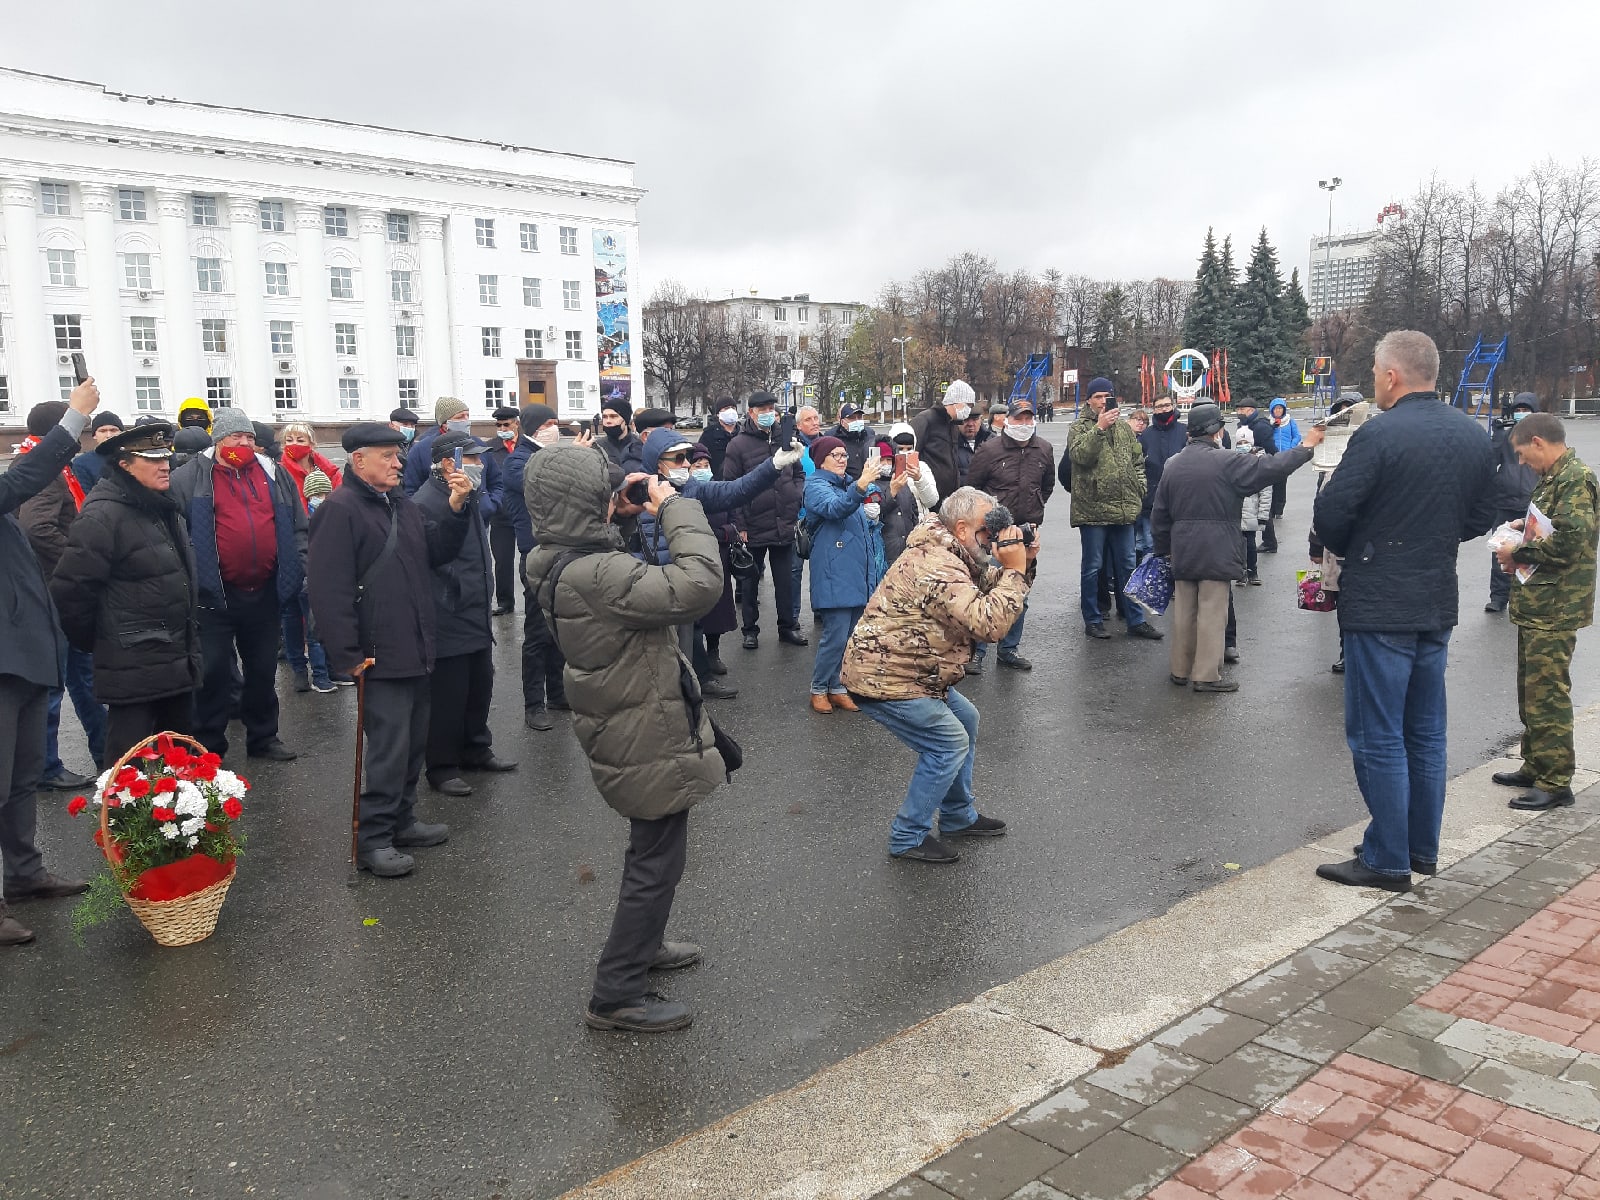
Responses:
[1445,1046]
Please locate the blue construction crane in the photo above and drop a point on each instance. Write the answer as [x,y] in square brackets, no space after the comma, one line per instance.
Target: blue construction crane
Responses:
[1480,356]
[1027,385]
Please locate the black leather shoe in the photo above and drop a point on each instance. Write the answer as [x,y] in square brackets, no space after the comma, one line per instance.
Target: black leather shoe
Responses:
[1230,654]
[503,612]
[44,886]
[1178,680]
[650,1013]
[302,681]
[419,834]
[1015,661]
[274,751]
[12,931]
[496,766]
[932,850]
[1097,630]
[1356,874]
[1538,799]
[1494,607]
[386,862]
[454,786]
[793,637]
[1418,867]
[65,781]
[973,665]
[982,827]
[1145,630]
[538,717]
[1216,685]
[713,688]
[1521,778]
[1338,666]
[674,956]
[716,664]
[751,641]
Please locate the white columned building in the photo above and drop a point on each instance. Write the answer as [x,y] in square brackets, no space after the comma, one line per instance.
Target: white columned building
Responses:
[302,268]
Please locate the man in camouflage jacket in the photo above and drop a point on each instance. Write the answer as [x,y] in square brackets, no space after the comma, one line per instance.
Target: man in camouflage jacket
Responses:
[1549,609]
[911,646]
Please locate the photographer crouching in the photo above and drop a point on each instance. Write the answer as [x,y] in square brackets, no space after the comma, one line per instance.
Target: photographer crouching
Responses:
[938,598]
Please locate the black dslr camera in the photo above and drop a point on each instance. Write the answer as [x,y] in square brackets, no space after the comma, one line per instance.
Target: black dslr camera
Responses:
[999,519]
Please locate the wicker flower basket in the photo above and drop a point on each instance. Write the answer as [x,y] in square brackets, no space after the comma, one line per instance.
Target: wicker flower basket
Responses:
[187,919]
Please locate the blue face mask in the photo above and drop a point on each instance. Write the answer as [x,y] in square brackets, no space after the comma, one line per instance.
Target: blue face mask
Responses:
[855,426]
[1518,415]
[314,503]
[408,432]
[703,474]
[767,420]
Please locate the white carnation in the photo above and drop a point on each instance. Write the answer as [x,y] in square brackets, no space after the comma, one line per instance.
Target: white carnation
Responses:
[228,784]
[169,830]
[190,801]
[193,841]
[193,825]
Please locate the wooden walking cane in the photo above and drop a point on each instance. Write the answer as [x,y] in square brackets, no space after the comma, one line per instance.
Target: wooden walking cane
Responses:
[355,795]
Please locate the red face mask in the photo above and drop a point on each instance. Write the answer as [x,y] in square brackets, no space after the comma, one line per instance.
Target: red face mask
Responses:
[236,456]
[297,452]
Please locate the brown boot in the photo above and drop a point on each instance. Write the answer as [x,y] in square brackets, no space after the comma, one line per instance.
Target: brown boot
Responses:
[12,931]
[819,704]
[839,700]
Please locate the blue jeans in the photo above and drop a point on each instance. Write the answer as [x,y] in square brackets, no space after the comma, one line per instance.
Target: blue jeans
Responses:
[77,671]
[1144,539]
[299,647]
[837,625]
[1013,638]
[944,733]
[1394,720]
[1107,545]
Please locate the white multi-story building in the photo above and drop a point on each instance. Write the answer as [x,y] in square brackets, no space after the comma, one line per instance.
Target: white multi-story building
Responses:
[1343,269]
[300,267]
[792,321]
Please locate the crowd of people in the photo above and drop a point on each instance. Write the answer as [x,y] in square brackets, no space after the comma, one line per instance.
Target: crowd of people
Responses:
[158,578]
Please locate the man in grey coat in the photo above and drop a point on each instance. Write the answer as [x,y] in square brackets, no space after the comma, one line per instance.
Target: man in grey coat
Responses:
[636,706]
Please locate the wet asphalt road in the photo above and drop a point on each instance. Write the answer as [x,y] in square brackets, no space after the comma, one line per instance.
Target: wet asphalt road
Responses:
[439,1052]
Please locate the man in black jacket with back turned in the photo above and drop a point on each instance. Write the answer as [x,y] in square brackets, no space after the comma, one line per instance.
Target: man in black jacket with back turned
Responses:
[767,521]
[29,668]
[370,571]
[1412,486]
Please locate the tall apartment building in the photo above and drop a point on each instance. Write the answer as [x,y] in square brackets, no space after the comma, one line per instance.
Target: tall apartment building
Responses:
[301,267]
[1343,269]
[792,321]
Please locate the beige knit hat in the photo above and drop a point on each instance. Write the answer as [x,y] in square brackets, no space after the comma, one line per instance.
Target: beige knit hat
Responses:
[447,407]
[316,484]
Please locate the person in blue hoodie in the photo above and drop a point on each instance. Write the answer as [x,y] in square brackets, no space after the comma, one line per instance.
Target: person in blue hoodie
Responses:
[1285,436]
[847,561]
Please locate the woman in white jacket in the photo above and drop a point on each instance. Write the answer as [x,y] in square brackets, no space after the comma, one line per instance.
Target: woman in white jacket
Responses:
[1256,513]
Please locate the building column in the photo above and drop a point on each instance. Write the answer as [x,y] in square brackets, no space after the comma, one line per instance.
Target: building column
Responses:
[30,344]
[438,356]
[252,371]
[181,375]
[314,338]
[381,392]
[111,351]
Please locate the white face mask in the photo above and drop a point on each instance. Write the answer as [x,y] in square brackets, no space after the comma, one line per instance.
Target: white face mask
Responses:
[678,476]
[459,424]
[506,435]
[872,511]
[473,472]
[703,474]
[886,471]
[729,417]
[1019,433]
[854,426]
[963,411]
[548,436]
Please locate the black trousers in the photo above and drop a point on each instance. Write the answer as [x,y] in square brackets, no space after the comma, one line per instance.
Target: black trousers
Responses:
[460,690]
[541,657]
[651,870]
[396,728]
[748,591]
[250,626]
[23,709]
[503,549]
[129,724]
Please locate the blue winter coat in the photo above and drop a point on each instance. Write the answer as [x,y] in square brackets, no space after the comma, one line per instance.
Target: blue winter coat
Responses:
[715,496]
[844,568]
[1287,435]
[419,461]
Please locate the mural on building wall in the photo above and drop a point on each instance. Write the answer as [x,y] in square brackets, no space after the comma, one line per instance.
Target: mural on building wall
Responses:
[613,343]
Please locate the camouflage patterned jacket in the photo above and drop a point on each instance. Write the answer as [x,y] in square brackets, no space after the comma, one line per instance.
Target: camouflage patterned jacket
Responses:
[1560,596]
[919,626]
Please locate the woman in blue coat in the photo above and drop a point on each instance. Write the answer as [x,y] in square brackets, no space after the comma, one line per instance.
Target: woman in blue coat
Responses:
[846,562]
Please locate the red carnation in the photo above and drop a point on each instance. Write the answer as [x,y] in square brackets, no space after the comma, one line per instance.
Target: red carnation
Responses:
[166,784]
[163,814]
[210,828]
[232,807]
[138,789]
[211,760]
[126,776]
[176,757]
[77,804]
[148,753]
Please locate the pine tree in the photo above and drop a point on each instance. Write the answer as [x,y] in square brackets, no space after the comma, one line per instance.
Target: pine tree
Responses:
[1262,357]
[1209,321]
[1296,312]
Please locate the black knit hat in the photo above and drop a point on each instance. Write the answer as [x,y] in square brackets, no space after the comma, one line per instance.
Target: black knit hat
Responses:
[45,416]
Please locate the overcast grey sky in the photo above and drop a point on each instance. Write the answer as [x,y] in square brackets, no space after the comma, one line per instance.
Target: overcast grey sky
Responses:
[826,146]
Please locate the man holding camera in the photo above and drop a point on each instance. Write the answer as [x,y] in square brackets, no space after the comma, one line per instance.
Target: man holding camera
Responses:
[941,595]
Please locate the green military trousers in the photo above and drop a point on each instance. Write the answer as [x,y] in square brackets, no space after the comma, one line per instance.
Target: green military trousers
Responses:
[1544,702]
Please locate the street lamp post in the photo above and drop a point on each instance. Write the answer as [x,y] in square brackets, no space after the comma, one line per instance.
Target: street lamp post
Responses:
[1330,186]
[905,395]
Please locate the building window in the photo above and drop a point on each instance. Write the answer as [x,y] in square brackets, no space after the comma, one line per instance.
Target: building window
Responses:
[56,199]
[532,296]
[530,236]
[569,239]
[272,216]
[781,343]
[780,314]
[282,335]
[144,334]
[5,395]
[825,315]
[488,289]
[483,229]
[208,274]
[409,393]
[399,225]
[802,343]
[533,343]
[64,382]
[335,221]
[405,341]
[349,393]
[400,286]
[574,343]
[214,335]
[136,271]
[203,210]
[491,342]
[219,387]
[494,393]
[130,205]
[571,294]
[285,394]
[341,283]
[63,267]
[277,279]
[69,331]
[344,338]
[804,314]
[574,395]
[147,393]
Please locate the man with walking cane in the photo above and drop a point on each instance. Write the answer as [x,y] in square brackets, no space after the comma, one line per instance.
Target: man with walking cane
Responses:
[370,566]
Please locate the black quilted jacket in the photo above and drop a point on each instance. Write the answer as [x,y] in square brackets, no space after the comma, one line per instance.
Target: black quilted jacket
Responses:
[1412,486]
